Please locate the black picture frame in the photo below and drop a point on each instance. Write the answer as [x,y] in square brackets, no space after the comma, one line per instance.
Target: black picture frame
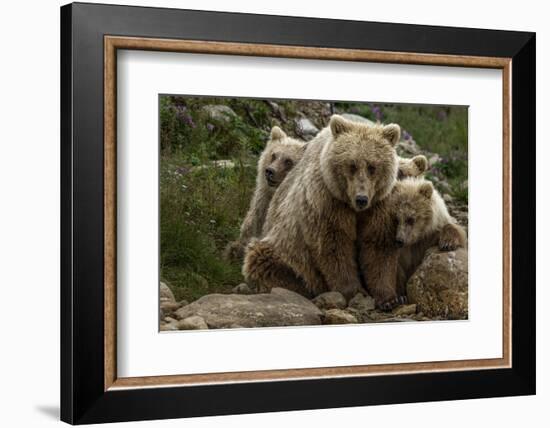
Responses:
[83,399]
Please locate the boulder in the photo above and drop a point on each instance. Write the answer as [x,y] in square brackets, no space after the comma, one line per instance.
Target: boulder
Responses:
[242,288]
[219,113]
[404,310]
[439,287]
[276,309]
[362,303]
[338,316]
[330,300]
[192,323]
[305,128]
[170,326]
[169,307]
[356,118]
[408,148]
[166,294]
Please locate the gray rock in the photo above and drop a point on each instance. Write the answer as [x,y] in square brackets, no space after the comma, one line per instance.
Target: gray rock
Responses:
[168,326]
[356,118]
[279,308]
[169,307]
[439,286]
[395,319]
[330,300]
[305,128]
[192,323]
[362,303]
[447,197]
[434,159]
[338,316]
[219,113]
[221,163]
[408,148]
[242,288]
[405,310]
[166,294]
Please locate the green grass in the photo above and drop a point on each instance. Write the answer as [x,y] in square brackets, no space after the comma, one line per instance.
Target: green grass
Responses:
[202,205]
[201,210]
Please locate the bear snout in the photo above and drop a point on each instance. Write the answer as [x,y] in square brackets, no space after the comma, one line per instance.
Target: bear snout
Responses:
[399,243]
[270,176]
[361,201]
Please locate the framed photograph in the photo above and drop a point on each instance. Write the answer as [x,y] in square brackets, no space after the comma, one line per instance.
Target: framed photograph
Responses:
[265,213]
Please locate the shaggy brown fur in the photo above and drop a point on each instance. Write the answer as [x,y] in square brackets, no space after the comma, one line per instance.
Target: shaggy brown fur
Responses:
[311,227]
[280,155]
[394,236]
[413,167]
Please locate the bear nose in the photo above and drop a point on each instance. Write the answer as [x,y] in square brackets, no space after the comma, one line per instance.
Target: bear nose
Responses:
[399,242]
[361,201]
[269,173]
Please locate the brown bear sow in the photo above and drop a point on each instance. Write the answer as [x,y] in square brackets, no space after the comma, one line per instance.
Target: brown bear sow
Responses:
[394,236]
[280,155]
[310,232]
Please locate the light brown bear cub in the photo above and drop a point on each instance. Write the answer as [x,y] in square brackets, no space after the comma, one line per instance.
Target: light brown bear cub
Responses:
[280,155]
[413,167]
[393,238]
[309,243]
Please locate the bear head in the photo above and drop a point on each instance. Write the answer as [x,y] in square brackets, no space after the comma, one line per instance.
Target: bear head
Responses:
[411,205]
[359,163]
[280,155]
[413,167]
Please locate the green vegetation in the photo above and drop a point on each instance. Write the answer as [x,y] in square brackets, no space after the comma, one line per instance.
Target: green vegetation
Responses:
[203,200]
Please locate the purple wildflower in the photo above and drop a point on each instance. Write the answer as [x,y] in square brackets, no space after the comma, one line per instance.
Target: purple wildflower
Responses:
[190,122]
[184,116]
[210,127]
[377,113]
[406,135]
[182,170]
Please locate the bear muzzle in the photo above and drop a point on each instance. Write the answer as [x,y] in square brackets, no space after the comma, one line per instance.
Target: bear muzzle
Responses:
[361,202]
[270,177]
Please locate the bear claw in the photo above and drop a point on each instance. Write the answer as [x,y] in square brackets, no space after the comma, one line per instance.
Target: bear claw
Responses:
[448,245]
[392,303]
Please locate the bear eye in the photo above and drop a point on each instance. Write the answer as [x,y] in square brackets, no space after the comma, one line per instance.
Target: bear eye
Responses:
[273,157]
[371,169]
[353,168]
[409,221]
[288,163]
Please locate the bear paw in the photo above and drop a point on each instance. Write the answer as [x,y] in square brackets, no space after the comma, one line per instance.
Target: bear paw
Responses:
[389,304]
[234,251]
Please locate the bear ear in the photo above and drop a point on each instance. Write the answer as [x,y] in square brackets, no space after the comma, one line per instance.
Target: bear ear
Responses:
[421,163]
[426,189]
[339,125]
[392,133]
[277,133]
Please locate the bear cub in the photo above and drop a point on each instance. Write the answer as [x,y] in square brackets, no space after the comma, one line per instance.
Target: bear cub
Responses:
[413,167]
[394,236]
[278,158]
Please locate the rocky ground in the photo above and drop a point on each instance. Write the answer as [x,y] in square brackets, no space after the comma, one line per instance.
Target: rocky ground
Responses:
[437,291]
